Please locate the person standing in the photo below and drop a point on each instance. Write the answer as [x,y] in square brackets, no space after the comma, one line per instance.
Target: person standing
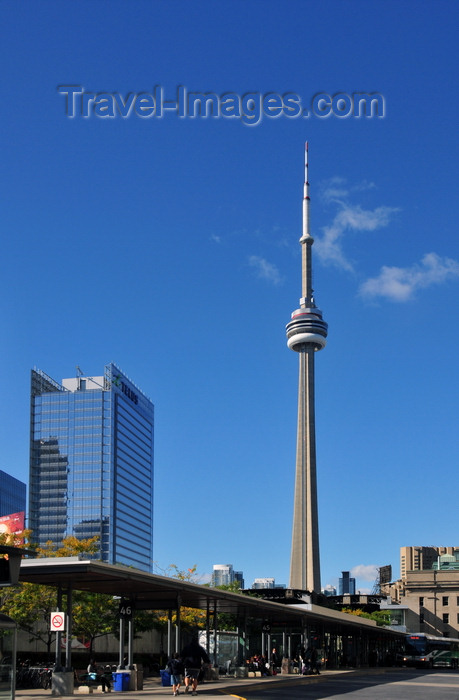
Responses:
[275,661]
[314,661]
[175,666]
[193,655]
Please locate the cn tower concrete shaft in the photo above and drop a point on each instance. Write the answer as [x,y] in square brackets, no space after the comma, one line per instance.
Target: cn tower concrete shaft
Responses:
[305,560]
[306,333]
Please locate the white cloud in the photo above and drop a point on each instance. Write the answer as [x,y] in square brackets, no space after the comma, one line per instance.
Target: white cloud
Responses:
[348,218]
[364,185]
[393,283]
[264,269]
[401,283]
[365,572]
[336,189]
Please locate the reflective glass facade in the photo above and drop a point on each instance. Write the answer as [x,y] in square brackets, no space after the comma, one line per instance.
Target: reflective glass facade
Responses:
[91,464]
[12,494]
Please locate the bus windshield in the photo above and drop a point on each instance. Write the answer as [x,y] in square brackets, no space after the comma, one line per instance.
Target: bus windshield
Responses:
[416,645]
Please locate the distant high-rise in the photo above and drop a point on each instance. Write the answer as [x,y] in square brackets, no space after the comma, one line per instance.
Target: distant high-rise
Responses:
[224,574]
[12,494]
[306,333]
[421,558]
[91,464]
[346,584]
[267,582]
[264,583]
[329,590]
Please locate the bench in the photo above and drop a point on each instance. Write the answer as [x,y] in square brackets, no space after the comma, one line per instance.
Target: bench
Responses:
[84,683]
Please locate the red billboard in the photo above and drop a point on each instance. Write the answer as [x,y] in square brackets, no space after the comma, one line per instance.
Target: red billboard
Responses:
[12,524]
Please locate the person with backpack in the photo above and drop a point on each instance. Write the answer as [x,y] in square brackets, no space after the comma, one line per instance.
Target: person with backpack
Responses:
[193,655]
[175,667]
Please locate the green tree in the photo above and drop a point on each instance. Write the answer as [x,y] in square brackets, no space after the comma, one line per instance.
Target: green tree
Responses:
[234,587]
[31,605]
[94,615]
[71,547]
[381,617]
[16,539]
[189,617]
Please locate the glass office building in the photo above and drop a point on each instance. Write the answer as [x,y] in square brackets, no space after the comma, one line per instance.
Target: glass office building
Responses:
[91,464]
[346,584]
[12,494]
[224,574]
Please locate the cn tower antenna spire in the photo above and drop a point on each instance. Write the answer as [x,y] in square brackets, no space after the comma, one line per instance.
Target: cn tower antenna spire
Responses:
[306,333]
[307,299]
[306,193]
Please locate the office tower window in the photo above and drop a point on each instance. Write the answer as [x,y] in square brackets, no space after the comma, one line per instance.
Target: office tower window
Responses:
[91,465]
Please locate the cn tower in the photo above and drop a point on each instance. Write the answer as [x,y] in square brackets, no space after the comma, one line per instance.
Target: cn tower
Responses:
[306,333]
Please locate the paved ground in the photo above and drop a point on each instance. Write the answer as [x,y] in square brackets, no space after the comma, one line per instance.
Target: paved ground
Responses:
[230,687]
[362,684]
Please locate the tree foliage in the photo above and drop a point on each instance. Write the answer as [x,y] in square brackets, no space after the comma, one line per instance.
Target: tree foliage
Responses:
[16,539]
[31,605]
[71,547]
[233,587]
[381,617]
[94,615]
[189,617]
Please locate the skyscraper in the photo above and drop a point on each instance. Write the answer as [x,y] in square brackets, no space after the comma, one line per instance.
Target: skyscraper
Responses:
[266,582]
[346,584]
[224,574]
[12,494]
[306,333]
[91,464]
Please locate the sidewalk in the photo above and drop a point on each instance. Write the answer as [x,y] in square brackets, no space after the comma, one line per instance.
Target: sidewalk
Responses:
[210,689]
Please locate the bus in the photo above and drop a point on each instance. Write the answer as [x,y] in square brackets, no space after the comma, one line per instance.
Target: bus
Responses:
[425,651]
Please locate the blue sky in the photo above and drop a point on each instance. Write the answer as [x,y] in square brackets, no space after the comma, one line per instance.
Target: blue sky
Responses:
[170,247]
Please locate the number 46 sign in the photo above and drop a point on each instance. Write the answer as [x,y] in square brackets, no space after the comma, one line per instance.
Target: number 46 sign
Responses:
[57,622]
[126,609]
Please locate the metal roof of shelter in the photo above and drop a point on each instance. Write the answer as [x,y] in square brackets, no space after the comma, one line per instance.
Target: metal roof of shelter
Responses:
[15,551]
[154,592]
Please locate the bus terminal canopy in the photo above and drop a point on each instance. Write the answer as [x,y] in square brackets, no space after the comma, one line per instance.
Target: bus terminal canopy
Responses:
[153,592]
[149,591]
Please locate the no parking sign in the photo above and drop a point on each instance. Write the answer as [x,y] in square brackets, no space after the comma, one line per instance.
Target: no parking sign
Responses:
[57,623]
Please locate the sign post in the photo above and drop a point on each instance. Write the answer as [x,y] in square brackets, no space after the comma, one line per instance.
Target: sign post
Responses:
[57,622]
[57,625]
[62,680]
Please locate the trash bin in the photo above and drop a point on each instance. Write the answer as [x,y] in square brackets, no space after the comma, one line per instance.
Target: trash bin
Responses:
[121,681]
[138,677]
[165,678]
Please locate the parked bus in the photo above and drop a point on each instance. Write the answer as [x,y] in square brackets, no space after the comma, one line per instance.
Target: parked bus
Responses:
[424,650]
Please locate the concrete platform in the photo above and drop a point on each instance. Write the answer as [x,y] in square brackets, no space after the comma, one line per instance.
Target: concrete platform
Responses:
[211,690]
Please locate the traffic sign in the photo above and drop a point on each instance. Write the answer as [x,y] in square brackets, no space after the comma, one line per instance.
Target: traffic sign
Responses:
[57,623]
